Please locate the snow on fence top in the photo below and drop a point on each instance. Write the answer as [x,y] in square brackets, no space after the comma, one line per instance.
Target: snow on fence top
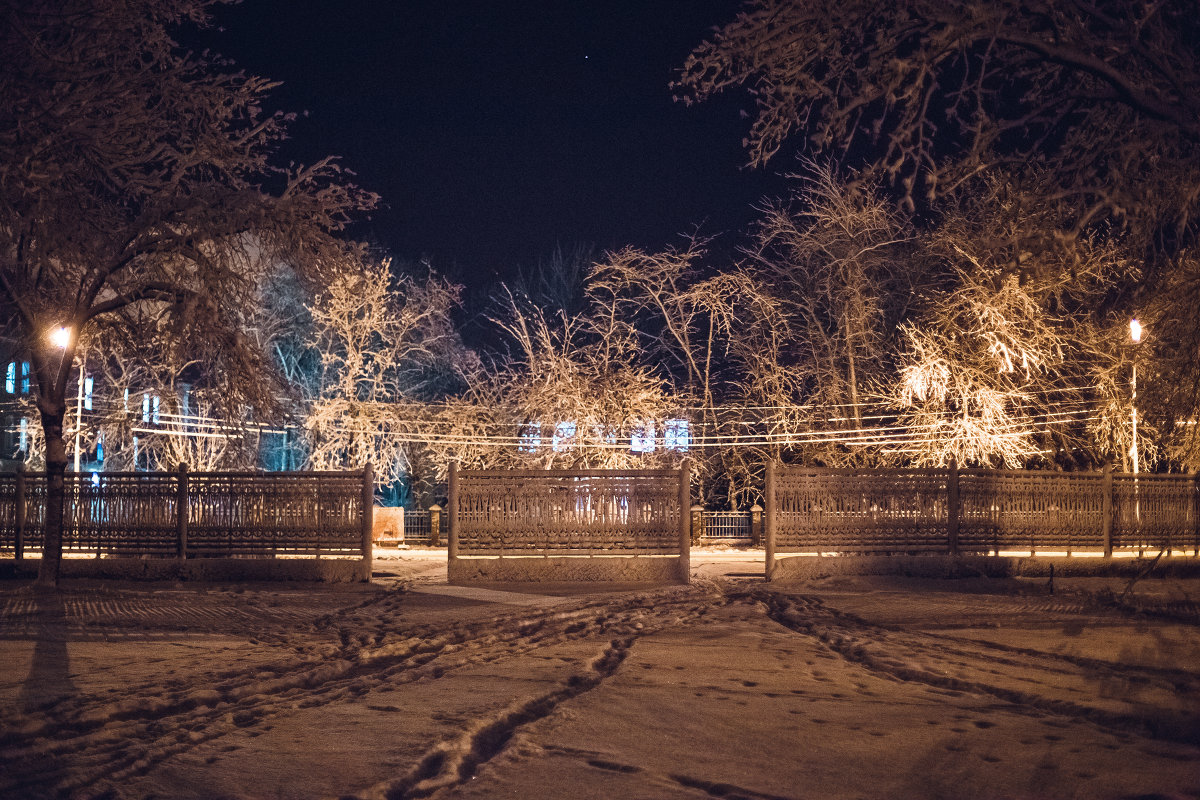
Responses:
[223,513]
[567,512]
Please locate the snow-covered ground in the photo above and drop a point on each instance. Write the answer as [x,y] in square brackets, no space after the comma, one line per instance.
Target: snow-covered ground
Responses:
[730,688]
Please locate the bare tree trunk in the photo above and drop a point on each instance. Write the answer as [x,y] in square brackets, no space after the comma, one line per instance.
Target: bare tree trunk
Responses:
[56,466]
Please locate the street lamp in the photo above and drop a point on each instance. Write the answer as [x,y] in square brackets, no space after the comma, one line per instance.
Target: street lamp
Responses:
[1135,334]
[61,337]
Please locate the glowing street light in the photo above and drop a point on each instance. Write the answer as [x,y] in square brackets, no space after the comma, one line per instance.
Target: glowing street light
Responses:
[61,337]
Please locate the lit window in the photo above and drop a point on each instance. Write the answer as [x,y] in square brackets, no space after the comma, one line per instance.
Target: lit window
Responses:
[642,440]
[10,378]
[564,432]
[87,393]
[150,404]
[100,448]
[24,436]
[531,438]
[24,377]
[676,436]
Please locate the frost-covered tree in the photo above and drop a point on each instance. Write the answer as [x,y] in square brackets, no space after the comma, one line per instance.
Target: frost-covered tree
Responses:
[136,184]
[387,345]
[1005,357]
[845,266]
[1090,109]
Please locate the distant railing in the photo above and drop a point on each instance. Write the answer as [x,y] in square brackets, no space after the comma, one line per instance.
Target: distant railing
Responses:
[417,526]
[811,509]
[728,527]
[186,514]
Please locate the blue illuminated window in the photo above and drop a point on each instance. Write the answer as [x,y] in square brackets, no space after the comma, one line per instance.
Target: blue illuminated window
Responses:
[564,432]
[87,393]
[24,377]
[531,438]
[150,404]
[676,435]
[642,440]
[10,378]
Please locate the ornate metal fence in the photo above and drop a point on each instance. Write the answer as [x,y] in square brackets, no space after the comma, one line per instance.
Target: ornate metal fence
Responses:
[187,515]
[811,509]
[505,513]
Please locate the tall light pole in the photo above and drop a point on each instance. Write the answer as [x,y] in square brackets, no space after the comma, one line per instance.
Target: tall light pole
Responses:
[1135,333]
[61,337]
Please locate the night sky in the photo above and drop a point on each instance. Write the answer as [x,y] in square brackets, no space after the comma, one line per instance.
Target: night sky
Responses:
[495,131]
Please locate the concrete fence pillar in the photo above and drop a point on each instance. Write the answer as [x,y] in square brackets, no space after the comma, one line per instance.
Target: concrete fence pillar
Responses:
[697,524]
[19,511]
[770,520]
[756,525]
[435,525]
[685,521]
[452,512]
[952,507]
[1106,510]
[1196,513]
[368,521]
[181,512]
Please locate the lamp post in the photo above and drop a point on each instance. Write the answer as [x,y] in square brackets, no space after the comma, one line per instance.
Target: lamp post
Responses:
[61,337]
[1135,334]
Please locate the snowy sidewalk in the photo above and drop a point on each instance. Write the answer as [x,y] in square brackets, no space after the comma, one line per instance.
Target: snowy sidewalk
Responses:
[875,688]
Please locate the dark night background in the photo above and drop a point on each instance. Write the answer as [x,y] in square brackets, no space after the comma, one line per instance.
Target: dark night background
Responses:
[495,132]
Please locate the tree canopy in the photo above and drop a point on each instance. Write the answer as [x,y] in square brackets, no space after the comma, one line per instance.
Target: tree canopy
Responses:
[1103,94]
[137,186]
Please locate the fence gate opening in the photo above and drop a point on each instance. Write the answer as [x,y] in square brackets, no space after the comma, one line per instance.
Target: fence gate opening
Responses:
[569,525]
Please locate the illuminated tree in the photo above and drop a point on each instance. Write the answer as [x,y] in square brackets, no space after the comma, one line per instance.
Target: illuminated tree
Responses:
[1090,109]
[844,265]
[387,345]
[580,391]
[717,336]
[136,187]
[1003,361]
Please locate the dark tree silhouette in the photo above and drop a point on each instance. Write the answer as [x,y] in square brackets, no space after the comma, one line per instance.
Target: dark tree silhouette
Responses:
[136,187]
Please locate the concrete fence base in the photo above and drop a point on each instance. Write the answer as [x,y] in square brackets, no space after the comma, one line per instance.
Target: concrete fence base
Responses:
[945,566]
[535,569]
[325,570]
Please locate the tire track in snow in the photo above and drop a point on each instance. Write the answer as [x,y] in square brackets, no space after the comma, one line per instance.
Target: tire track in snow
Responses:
[922,657]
